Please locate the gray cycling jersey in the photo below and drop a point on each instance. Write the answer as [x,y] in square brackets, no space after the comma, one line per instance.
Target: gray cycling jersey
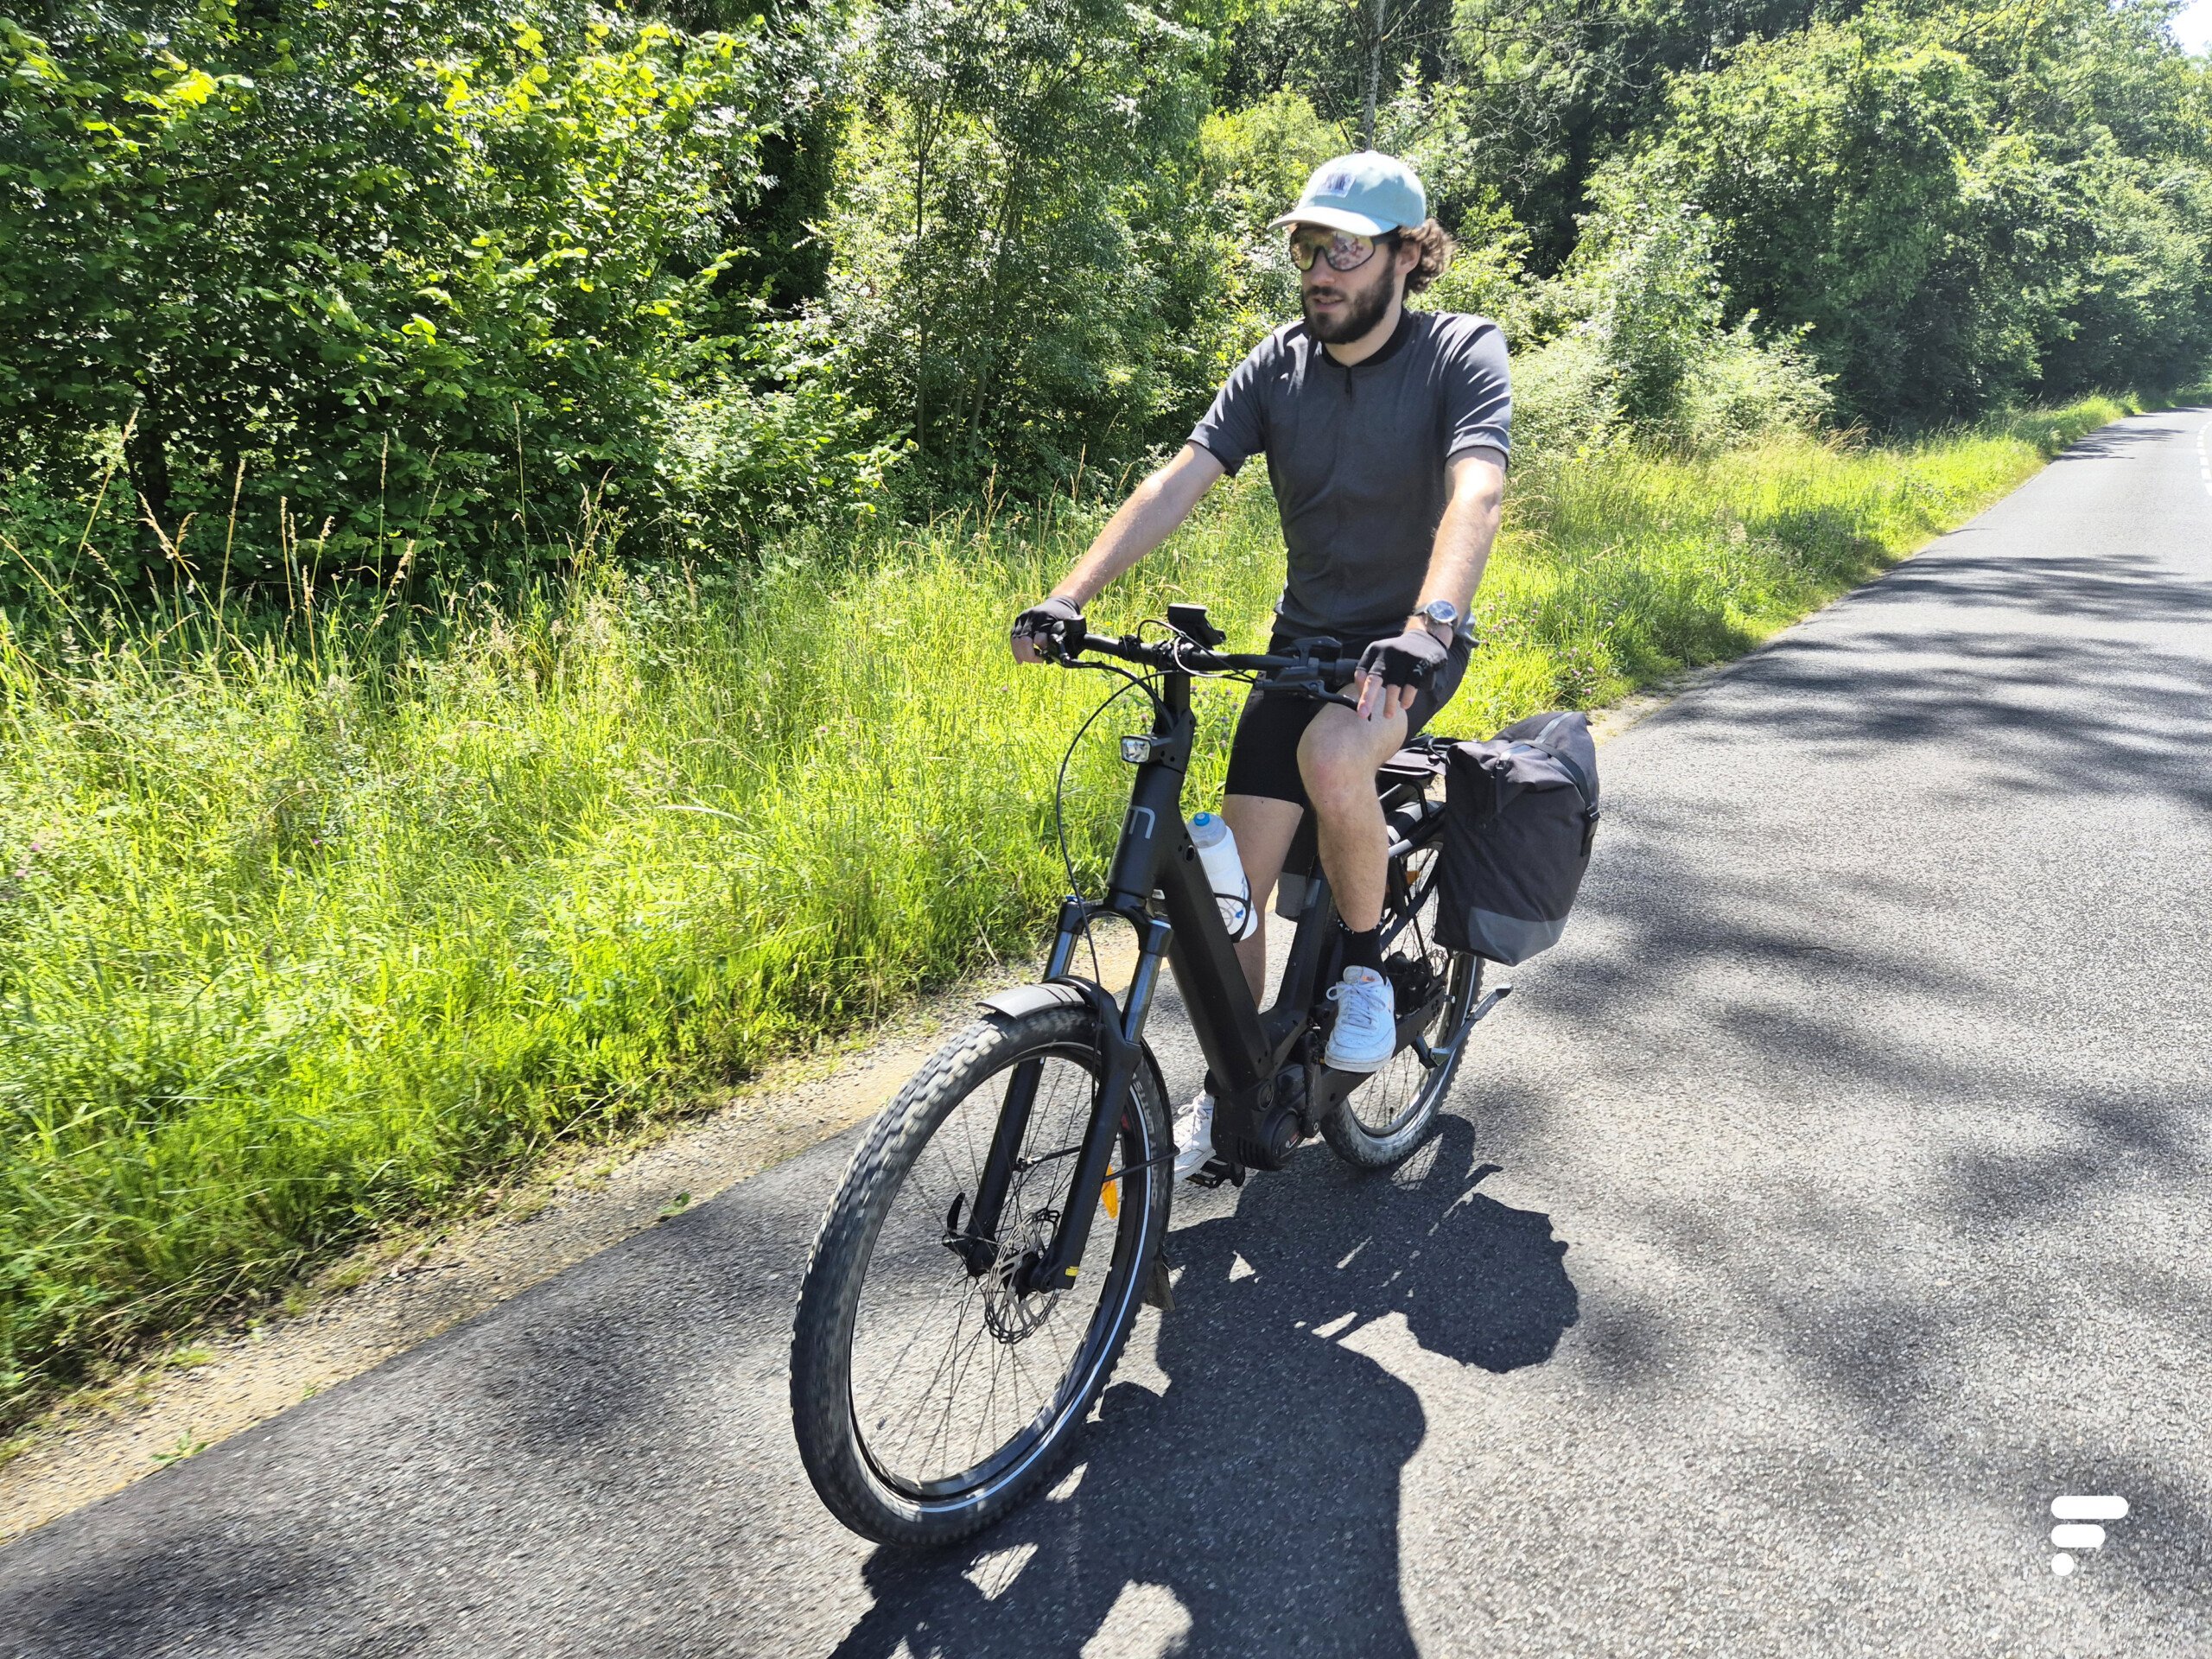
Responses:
[1357,457]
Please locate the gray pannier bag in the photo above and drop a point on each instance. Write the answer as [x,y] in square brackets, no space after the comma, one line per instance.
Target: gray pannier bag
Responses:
[1520,812]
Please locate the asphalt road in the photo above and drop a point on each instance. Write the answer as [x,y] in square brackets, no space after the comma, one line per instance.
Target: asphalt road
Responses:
[1867,1098]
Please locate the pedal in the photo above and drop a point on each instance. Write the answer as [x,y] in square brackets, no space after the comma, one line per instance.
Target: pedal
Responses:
[1158,1292]
[1215,1172]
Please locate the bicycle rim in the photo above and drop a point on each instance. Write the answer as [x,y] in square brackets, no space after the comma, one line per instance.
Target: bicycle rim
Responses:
[959,1381]
[1405,1088]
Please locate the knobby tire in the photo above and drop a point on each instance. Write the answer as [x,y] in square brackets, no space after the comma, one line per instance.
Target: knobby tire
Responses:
[865,1473]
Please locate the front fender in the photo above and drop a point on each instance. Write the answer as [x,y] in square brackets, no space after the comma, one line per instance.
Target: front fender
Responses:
[1071,992]
[1020,1000]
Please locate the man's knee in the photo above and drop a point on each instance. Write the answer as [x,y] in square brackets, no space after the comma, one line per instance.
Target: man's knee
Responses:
[1339,761]
[1333,779]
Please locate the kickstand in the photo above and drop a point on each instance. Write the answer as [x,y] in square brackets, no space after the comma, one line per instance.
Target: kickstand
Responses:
[1158,1292]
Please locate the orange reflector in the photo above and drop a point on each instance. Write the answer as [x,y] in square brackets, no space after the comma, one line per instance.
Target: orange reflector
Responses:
[1111,1193]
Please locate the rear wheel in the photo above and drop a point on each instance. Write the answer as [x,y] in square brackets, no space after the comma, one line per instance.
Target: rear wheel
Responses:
[1383,1120]
[929,1399]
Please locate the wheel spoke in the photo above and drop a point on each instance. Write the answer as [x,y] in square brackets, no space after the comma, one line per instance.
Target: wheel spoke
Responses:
[1383,1117]
[942,1389]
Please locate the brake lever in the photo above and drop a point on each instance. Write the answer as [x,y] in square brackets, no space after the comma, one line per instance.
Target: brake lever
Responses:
[1313,688]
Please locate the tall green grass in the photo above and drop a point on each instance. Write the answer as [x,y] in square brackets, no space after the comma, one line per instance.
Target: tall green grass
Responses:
[316,921]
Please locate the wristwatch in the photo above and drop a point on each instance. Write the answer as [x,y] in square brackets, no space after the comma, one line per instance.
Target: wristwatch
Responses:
[1444,613]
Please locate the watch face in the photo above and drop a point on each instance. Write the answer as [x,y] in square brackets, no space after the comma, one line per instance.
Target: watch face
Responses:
[1441,610]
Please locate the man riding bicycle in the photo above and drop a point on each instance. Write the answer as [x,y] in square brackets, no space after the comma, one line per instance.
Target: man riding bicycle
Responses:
[1386,433]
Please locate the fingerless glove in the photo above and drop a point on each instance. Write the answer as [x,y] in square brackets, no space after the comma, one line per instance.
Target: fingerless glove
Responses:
[1406,661]
[1046,619]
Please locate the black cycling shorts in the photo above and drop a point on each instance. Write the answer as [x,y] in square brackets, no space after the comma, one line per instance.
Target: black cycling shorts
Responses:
[1263,756]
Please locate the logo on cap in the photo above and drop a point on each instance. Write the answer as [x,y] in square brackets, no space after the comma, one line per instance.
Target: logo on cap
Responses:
[1338,184]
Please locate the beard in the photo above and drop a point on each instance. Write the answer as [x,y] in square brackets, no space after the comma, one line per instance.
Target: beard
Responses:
[1363,308]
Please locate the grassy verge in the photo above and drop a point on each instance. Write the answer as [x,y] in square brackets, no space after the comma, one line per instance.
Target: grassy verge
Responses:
[316,924]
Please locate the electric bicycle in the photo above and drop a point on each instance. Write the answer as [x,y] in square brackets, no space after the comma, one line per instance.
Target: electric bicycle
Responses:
[999,1227]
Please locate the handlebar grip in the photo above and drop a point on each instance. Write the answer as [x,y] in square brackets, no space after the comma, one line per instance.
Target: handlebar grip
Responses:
[1053,642]
[1065,643]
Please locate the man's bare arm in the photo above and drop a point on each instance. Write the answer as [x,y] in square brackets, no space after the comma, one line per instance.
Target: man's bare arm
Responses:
[1466,533]
[1153,512]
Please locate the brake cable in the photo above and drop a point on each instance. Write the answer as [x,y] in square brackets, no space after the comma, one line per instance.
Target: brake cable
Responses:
[1059,789]
[1312,687]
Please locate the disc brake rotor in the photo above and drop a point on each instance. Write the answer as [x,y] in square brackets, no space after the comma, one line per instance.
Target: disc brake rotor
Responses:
[1011,1314]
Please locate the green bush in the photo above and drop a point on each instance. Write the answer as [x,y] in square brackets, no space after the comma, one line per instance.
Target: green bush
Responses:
[751,455]
[390,275]
[1630,342]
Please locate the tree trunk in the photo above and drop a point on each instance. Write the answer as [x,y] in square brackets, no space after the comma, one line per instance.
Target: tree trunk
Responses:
[994,320]
[925,141]
[1374,73]
[147,454]
[1010,218]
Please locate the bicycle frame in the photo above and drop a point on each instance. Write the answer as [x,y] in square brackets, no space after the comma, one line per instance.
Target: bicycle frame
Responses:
[1248,1052]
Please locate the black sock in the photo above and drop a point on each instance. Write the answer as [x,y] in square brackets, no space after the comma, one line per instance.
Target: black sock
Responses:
[1365,950]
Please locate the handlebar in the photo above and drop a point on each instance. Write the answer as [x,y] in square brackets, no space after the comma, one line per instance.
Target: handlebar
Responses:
[1320,663]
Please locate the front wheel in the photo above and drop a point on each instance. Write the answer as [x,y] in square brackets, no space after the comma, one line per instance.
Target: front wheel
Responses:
[928,1399]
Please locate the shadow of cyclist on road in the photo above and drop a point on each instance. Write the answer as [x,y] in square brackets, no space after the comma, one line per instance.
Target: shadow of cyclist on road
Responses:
[1253,1508]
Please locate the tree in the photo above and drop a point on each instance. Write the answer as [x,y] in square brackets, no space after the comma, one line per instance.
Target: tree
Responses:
[398,268]
[1961,207]
[1012,175]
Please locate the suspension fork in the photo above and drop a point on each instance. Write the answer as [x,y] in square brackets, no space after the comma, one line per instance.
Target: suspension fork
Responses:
[1120,1039]
[1121,1034]
[1151,830]
[978,1245]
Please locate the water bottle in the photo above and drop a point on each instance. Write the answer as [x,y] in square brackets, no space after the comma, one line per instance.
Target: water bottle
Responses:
[1225,874]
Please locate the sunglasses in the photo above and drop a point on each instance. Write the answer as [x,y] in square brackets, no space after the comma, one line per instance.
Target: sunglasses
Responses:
[1341,249]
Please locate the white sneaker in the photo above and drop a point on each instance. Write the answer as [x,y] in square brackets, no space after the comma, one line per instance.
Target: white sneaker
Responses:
[1194,1136]
[1366,1030]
